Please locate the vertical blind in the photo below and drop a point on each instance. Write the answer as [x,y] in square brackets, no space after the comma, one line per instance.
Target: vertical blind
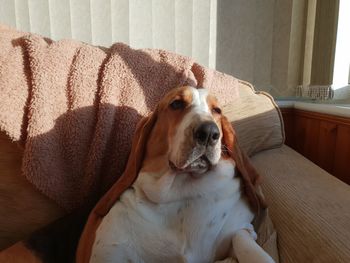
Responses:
[186,27]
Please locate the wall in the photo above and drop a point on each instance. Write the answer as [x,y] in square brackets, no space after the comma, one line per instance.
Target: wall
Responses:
[261,42]
[281,46]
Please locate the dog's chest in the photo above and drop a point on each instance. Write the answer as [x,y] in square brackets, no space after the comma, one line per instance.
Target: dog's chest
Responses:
[190,230]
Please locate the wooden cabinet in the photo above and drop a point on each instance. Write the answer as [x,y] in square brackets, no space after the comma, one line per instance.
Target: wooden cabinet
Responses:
[324,139]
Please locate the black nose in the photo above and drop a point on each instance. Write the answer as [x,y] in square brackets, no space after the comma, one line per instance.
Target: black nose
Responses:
[207,133]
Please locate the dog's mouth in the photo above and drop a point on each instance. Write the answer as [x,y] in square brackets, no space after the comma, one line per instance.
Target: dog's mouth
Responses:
[196,168]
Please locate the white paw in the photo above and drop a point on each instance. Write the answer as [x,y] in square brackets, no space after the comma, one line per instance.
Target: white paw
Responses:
[249,227]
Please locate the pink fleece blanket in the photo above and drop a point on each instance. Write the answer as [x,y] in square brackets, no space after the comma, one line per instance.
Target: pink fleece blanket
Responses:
[73,107]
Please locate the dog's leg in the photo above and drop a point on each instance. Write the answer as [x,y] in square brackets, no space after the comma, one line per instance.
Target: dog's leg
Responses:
[247,250]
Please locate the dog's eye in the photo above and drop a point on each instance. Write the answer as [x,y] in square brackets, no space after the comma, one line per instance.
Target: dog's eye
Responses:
[177,104]
[216,110]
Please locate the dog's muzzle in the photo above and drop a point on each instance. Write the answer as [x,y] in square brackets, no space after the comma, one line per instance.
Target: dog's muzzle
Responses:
[203,150]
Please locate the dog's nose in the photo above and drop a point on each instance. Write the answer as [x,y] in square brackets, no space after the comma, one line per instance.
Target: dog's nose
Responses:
[207,133]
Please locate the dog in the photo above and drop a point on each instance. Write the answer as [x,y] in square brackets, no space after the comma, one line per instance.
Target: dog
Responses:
[194,198]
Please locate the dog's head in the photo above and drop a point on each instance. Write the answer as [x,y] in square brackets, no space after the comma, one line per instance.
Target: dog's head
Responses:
[189,133]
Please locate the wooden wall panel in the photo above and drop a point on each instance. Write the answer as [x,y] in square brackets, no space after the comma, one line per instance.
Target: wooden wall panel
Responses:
[288,120]
[300,133]
[311,139]
[342,154]
[324,139]
[326,145]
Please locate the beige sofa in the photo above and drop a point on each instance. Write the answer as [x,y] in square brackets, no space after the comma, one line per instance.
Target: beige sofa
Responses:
[309,207]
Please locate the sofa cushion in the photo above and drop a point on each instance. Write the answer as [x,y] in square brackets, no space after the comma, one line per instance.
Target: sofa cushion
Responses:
[308,206]
[256,119]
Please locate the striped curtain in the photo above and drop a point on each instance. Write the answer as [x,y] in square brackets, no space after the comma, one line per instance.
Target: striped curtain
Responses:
[187,27]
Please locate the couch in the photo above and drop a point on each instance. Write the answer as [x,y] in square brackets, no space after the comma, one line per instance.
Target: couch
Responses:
[309,207]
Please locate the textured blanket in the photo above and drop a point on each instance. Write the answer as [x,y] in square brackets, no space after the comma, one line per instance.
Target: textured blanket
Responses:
[73,107]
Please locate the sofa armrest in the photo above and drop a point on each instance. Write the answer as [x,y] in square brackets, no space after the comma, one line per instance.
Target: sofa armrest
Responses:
[23,209]
[309,208]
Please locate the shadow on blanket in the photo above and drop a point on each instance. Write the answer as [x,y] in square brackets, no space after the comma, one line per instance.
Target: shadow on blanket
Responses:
[57,241]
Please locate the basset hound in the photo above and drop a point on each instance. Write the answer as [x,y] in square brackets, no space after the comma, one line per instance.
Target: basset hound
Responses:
[194,198]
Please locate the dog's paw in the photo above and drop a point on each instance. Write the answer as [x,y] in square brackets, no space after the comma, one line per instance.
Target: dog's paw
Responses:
[250,229]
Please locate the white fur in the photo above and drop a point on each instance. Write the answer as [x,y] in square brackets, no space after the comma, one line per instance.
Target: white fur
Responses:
[199,100]
[175,218]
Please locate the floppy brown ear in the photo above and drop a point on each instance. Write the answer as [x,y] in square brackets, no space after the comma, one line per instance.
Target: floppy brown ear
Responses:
[143,130]
[249,175]
[133,166]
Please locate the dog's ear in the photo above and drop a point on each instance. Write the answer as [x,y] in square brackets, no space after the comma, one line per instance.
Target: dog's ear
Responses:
[143,130]
[247,172]
[138,148]
[133,166]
